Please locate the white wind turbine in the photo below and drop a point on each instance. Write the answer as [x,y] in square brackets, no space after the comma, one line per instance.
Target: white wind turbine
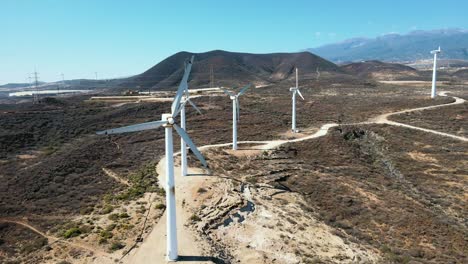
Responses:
[434,73]
[185,100]
[168,122]
[235,112]
[295,90]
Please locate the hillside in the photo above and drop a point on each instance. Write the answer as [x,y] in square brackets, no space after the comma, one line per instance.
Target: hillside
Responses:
[462,74]
[230,68]
[413,46]
[380,70]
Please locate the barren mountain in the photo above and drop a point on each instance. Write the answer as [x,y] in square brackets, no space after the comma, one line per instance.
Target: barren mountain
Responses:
[380,70]
[462,74]
[230,68]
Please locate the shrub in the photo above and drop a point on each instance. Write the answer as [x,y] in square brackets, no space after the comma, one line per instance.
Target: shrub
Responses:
[160,206]
[124,215]
[161,191]
[107,209]
[114,217]
[106,234]
[116,246]
[86,210]
[72,232]
[195,218]
[110,227]
[252,180]
[201,190]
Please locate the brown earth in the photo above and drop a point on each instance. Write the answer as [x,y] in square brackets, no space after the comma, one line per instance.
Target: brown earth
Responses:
[392,191]
[63,182]
[452,120]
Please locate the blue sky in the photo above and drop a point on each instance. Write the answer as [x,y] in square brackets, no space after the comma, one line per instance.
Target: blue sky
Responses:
[121,38]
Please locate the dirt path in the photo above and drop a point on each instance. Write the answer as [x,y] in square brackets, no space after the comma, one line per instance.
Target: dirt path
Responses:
[190,248]
[114,175]
[383,119]
[53,240]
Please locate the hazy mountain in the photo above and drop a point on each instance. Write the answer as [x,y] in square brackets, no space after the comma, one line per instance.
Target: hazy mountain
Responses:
[230,68]
[413,46]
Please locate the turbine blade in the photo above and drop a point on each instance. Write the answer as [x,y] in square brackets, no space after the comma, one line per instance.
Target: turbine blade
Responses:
[183,86]
[299,92]
[187,93]
[244,89]
[189,142]
[182,105]
[194,106]
[228,93]
[133,128]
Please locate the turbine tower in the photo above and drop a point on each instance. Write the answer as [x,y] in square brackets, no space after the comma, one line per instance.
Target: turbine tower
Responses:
[434,73]
[169,123]
[295,90]
[184,101]
[235,112]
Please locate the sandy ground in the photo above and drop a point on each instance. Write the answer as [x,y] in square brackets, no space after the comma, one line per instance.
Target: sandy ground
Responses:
[190,248]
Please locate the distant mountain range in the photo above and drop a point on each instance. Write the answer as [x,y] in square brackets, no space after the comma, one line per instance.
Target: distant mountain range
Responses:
[410,47]
[229,69]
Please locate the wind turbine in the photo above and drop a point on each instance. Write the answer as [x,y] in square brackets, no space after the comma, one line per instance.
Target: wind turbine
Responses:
[169,123]
[184,101]
[235,112]
[434,73]
[295,90]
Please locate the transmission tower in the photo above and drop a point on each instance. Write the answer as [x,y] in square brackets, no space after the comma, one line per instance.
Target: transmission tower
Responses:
[36,89]
[211,77]
[63,84]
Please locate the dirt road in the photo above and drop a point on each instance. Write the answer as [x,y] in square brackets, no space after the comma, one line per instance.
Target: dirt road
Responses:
[103,256]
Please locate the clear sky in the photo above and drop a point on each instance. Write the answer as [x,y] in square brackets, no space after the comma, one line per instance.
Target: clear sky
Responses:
[125,37]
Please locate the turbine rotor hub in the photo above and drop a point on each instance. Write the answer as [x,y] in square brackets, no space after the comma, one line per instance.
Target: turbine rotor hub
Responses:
[170,120]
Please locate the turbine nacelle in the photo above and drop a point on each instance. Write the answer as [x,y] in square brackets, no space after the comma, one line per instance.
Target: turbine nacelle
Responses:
[437,51]
[296,90]
[169,120]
